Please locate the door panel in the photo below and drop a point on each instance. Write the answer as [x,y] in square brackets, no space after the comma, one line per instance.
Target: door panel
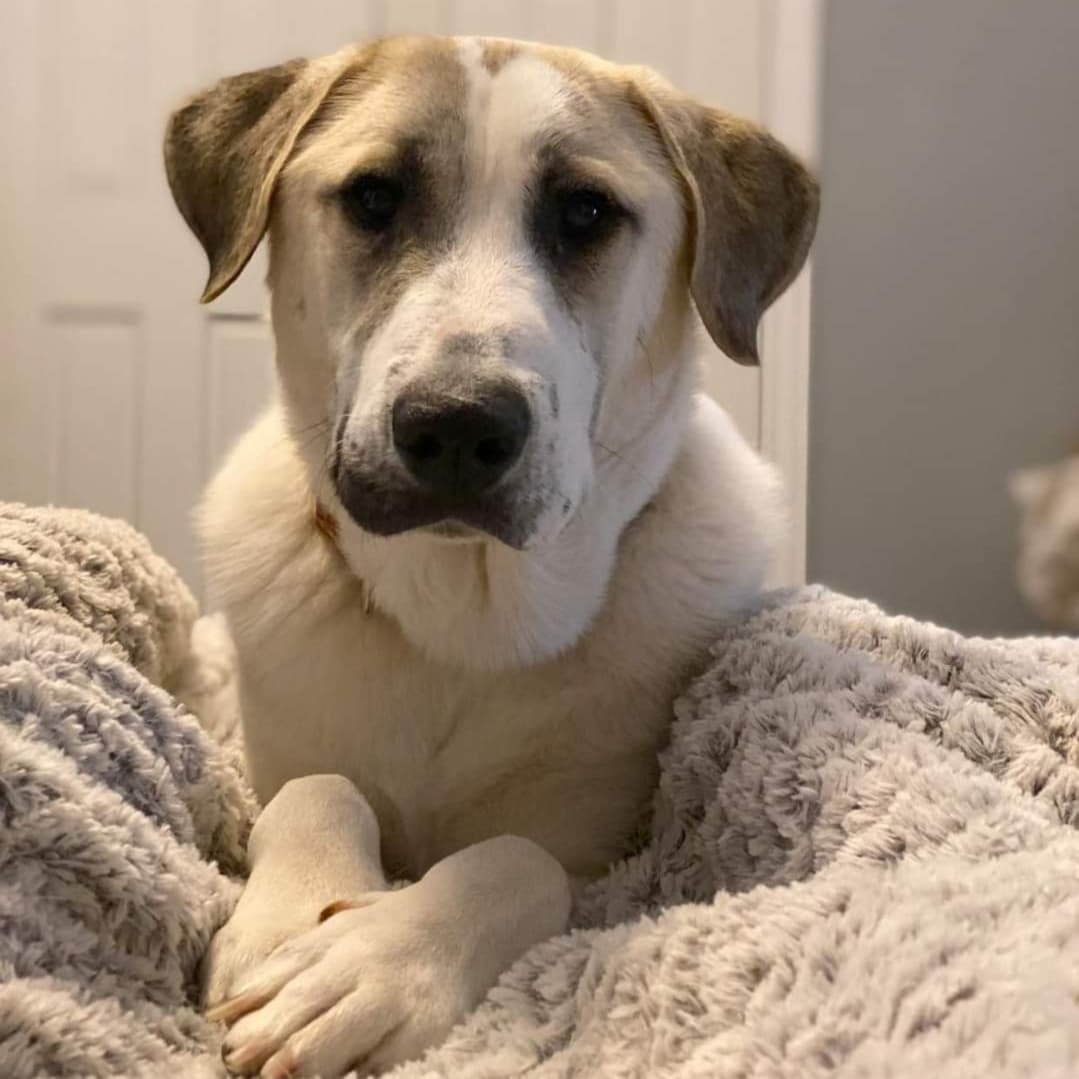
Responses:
[239,379]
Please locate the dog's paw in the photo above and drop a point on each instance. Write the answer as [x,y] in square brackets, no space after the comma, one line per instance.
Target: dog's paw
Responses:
[240,945]
[367,989]
[255,931]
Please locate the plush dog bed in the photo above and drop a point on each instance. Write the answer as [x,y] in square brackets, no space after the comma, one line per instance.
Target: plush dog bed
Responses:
[863,861]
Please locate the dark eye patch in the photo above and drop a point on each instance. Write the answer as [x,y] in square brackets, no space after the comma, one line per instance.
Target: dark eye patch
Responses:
[372,201]
[586,215]
[388,197]
[573,218]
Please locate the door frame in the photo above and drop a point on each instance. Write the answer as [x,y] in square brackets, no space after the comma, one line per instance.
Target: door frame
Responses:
[790,97]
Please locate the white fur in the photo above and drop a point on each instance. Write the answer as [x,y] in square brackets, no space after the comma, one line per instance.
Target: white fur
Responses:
[468,690]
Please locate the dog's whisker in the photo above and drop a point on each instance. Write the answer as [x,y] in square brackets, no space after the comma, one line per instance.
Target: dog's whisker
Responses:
[306,435]
[620,457]
[296,432]
[643,345]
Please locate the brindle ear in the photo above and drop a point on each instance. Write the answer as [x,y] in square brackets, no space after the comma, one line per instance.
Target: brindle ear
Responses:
[225,148]
[754,207]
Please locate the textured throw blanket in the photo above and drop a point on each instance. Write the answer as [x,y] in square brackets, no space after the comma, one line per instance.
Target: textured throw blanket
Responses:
[864,858]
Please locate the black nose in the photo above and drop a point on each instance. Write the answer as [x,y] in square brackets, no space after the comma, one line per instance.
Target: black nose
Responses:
[460,442]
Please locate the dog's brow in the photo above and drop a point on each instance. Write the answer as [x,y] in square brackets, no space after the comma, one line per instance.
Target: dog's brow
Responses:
[559,158]
[388,155]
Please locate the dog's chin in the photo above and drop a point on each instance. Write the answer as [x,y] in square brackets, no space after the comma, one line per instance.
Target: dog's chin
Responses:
[497,516]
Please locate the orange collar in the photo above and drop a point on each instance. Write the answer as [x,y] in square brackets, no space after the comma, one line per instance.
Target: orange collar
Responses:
[325,522]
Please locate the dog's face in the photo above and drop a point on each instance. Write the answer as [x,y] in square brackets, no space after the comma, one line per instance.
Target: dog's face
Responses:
[481,258]
[476,240]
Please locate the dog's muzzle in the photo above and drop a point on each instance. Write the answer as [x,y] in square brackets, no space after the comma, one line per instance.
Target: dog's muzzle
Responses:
[451,462]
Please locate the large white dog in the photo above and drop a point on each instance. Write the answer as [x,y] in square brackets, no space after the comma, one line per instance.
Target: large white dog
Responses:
[492,522]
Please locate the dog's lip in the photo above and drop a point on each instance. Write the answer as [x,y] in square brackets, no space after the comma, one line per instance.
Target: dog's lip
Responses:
[409,509]
[452,530]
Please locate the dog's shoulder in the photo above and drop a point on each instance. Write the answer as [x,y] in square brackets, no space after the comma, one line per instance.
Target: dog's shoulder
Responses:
[261,542]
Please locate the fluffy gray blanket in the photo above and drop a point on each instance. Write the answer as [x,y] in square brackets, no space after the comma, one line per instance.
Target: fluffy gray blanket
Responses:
[864,858]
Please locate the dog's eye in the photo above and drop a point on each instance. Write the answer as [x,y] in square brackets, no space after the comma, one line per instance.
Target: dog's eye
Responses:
[372,201]
[584,215]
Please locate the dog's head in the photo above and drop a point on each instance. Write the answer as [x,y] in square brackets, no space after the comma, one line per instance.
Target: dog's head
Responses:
[482,254]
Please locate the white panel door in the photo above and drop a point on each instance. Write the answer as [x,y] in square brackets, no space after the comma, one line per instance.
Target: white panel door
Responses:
[99,335]
[120,393]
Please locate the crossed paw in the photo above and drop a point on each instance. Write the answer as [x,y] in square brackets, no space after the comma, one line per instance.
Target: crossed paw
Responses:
[375,984]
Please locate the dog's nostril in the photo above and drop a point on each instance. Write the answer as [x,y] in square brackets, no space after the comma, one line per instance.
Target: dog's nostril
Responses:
[493,451]
[424,447]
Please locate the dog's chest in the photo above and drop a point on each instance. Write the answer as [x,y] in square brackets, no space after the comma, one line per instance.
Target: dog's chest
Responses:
[446,757]
[563,752]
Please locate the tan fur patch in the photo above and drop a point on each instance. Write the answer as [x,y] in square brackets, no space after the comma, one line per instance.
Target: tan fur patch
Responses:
[497,52]
[753,205]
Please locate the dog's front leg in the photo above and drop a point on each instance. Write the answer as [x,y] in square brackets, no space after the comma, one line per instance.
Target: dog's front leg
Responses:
[316,842]
[380,984]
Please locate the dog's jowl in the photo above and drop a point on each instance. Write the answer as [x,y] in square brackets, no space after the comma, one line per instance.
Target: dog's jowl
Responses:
[490,523]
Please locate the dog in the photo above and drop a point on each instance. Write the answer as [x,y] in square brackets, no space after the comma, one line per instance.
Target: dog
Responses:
[490,523]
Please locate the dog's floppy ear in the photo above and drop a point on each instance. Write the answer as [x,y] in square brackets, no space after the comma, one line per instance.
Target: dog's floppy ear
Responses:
[226,146]
[754,211]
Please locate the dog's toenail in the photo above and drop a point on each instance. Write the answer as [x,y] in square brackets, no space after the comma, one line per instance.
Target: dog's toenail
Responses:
[280,1065]
[233,1007]
[252,1054]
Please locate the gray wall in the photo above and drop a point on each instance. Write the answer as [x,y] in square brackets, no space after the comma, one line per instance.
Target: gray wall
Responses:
[946,295]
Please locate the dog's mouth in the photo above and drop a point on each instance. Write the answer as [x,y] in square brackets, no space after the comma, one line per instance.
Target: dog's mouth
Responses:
[390,506]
